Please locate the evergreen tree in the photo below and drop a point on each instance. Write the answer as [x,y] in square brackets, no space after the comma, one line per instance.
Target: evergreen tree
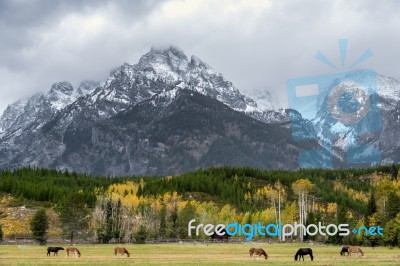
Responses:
[371,208]
[393,171]
[393,206]
[117,222]
[342,213]
[104,233]
[39,226]
[371,217]
[391,236]
[141,235]
[185,215]
[172,229]
[311,219]
[73,214]
[341,219]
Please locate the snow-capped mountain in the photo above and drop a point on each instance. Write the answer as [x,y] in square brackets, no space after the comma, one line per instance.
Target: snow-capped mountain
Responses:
[165,114]
[161,70]
[42,106]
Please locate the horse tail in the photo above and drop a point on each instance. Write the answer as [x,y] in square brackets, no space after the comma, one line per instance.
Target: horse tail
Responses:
[311,255]
[362,253]
[79,253]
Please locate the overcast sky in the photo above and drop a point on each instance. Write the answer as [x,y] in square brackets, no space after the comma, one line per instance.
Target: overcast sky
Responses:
[253,43]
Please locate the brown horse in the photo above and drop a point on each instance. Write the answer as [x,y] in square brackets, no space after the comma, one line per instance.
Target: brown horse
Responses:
[258,251]
[355,250]
[74,251]
[122,251]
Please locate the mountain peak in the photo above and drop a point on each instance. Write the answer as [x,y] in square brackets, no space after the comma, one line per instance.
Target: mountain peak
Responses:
[168,63]
[64,87]
[87,86]
[172,50]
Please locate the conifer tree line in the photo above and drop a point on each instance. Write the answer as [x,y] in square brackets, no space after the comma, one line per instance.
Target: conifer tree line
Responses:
[133,209]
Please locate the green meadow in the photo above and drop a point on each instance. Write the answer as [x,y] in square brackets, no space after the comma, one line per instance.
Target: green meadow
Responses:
[195,254]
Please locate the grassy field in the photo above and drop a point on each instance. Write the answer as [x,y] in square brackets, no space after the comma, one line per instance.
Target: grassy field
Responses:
[195,254]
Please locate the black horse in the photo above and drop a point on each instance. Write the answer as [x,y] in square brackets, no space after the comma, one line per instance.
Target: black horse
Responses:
[53,249]
[303,251]
[224,237]
[344,250]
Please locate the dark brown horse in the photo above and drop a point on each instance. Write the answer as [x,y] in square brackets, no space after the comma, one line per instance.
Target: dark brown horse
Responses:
[74,251]
[122,251]
[53,249]
[344,250]
[259,252]
[303,251]
[355,250]
[224,237]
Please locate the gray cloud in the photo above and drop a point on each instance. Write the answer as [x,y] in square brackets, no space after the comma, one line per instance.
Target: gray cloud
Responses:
[255,44]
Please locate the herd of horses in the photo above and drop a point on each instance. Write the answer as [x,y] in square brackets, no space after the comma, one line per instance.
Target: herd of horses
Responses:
[253,251]
[77,253]
[307,251]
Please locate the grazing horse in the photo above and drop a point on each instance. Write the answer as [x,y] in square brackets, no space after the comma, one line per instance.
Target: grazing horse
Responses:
[344,250]
[74,251]
[222,237]
[303,251]
[355,250]
[53,249]
[121,251]
[258,251]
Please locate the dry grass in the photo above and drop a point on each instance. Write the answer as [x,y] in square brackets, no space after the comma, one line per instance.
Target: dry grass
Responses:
[195,254]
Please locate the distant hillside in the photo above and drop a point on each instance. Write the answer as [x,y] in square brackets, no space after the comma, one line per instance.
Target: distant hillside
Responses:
[117,208]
